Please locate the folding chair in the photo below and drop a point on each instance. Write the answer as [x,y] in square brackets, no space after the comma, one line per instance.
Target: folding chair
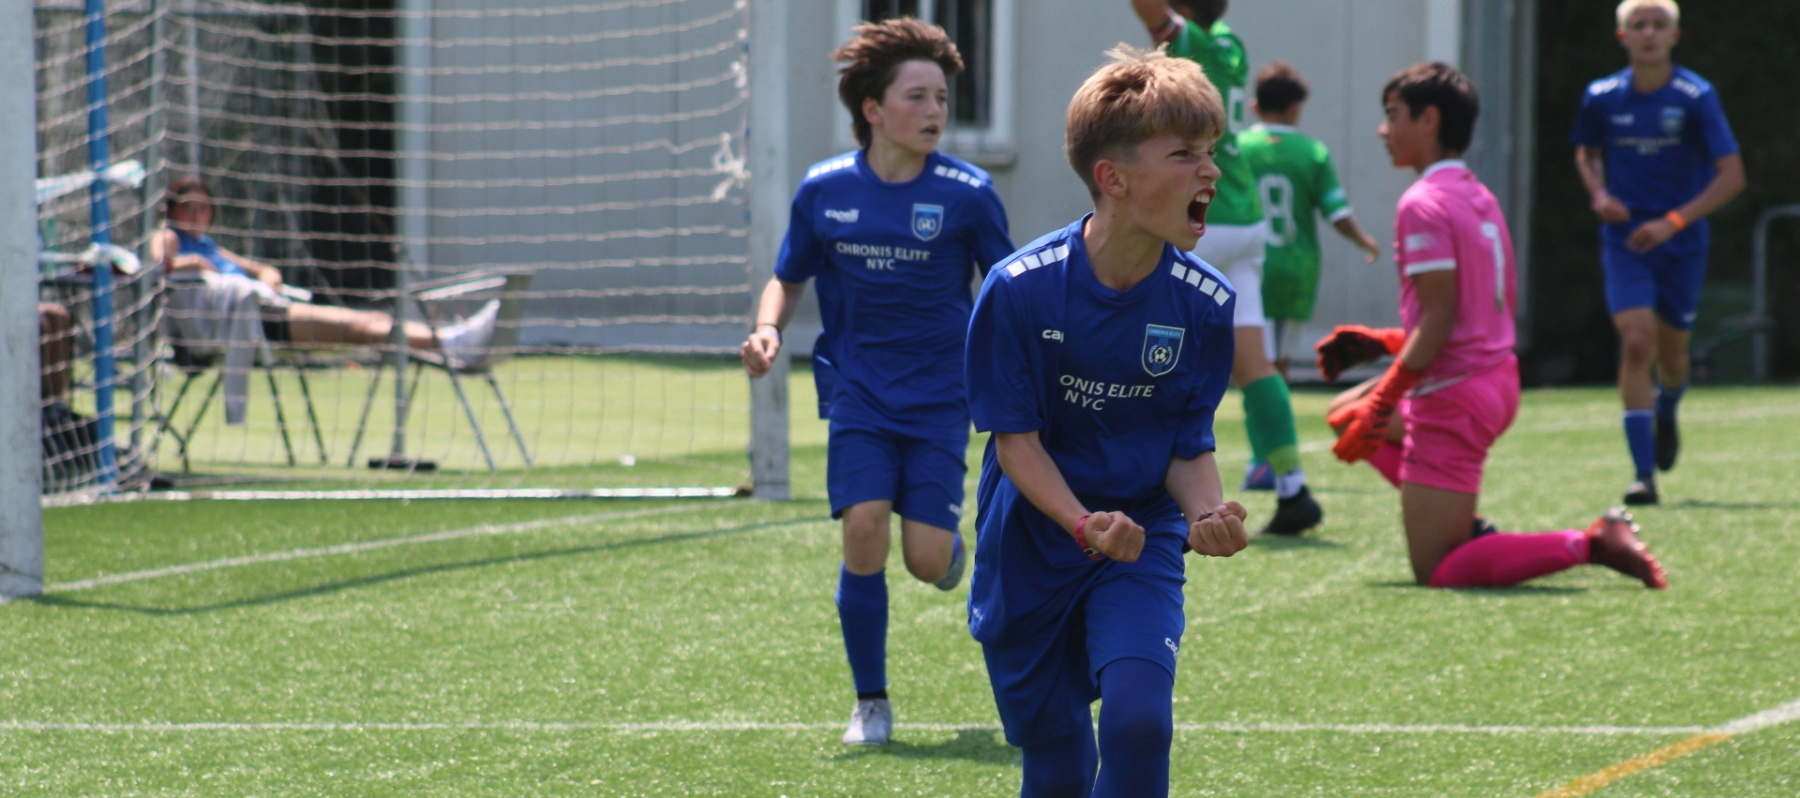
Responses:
[500,348]
[193,363]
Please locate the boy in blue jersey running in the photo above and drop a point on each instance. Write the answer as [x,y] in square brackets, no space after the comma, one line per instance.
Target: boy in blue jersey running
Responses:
[1097,357]
[1657,157]
[894,234]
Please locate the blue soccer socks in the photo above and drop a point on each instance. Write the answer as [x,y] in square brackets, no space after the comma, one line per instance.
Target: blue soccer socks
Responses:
[1668,400]
[1640,436]
[1137,727]
[863,611]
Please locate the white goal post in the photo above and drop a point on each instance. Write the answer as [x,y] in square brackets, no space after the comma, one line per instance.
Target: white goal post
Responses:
[21,516]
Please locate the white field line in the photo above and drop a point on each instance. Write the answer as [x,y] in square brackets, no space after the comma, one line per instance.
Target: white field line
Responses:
[1761,720]
[1312,591]
[752,726]
[484,530]
[1745,725]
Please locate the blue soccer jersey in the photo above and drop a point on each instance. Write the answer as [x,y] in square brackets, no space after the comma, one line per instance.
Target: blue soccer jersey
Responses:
[1114,383]
[894,262]
[1660,146]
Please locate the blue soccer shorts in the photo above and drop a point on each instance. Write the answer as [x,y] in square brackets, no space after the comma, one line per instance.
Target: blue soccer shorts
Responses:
[1045,681]
[1666,279]
[922,477]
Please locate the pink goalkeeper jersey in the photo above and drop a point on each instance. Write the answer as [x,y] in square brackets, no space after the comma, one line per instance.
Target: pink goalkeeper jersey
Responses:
[1449,221]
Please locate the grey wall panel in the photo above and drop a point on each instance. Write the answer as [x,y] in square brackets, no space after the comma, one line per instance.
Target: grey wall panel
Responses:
[591,157]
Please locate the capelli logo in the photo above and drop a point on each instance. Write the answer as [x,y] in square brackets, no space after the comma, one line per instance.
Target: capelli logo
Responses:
[843,217]
[1053,335]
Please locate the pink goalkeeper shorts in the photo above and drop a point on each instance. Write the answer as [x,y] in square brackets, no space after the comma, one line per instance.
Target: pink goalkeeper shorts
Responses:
[1449,430]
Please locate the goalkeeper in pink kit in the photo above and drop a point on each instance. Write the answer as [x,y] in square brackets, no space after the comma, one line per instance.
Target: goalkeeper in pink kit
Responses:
[1454,385]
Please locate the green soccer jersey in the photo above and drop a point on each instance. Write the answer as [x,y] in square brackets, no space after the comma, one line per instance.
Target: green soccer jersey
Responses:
[1221,56]
[1294,178]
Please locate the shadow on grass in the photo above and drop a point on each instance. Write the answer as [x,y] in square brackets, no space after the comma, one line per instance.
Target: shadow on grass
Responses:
[973,745]
[1289,542]
[57,600]
[1696,504]
[1515,590]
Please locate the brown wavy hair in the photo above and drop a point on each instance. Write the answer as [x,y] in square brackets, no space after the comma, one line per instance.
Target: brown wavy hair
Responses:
[872,59]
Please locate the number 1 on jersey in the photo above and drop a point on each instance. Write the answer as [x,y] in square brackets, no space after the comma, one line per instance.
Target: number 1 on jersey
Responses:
[1491,232]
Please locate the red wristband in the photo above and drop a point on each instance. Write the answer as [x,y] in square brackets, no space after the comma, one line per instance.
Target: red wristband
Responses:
[1081,538]
[1675,218]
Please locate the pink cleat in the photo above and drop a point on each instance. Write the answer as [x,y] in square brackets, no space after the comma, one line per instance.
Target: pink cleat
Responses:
[1613,542]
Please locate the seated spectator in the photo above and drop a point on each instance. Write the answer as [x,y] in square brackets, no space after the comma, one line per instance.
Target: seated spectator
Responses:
[67,437]
[184,249]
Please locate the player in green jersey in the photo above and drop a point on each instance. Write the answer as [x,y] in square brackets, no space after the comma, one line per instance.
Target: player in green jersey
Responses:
[1295,179]
[1234,242]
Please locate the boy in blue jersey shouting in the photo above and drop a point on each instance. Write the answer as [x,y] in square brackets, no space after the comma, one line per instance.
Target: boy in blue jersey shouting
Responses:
[1657,156]
[1097,357]
[895,234]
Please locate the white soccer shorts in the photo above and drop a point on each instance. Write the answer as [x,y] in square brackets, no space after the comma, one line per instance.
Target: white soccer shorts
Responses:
[1237,251]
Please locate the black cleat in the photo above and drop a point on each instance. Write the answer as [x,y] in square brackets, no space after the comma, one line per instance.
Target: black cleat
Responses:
[1481,526]
[1642,492]
[1668,444]
[1294,515]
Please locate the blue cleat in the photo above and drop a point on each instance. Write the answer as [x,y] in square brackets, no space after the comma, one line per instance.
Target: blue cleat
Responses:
[1258,476]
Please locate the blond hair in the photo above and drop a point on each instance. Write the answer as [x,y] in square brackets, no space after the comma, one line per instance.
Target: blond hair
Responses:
[1627,8]
[1138,96]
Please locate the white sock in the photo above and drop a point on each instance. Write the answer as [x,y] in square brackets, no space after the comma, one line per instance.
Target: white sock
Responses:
[471,335]
[1289,484]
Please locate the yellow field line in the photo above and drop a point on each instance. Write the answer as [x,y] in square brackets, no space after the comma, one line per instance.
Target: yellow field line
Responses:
[1662,756]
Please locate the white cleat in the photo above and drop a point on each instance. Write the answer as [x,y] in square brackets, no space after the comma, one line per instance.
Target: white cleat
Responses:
[871,723]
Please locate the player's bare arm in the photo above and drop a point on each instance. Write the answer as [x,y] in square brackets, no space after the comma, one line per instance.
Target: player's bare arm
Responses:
[773,312]
[268,275]
[1437,319]
[1728,181]
[166,249]
[1365,423]
[1353,232]
[1156,15]
[1215,526]
[1590,162]
[1029,466]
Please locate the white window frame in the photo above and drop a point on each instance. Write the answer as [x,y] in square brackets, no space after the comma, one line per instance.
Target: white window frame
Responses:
[990,145]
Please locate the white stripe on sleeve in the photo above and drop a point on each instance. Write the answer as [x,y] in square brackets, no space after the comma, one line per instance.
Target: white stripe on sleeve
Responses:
[1440,265]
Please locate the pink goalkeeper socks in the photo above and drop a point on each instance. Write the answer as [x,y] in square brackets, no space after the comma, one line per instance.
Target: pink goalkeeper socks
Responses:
[1503,559]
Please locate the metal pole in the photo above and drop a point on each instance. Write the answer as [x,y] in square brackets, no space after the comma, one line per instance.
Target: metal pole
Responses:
[100,211]
[21,470]
[415,31]
[769,200]
[193,93]
[1759,296]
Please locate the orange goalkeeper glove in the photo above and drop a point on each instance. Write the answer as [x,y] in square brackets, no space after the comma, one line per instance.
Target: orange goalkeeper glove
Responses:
[1351,345]
[1365,421]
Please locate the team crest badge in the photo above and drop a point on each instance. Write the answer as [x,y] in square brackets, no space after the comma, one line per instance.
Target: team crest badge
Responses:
[928,220]
[1162,348]
[1673,118]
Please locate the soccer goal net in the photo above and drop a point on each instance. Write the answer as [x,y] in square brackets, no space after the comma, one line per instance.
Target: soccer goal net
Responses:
[533,214]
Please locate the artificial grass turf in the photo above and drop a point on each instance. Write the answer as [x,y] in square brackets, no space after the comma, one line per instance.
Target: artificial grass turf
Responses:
[719,614]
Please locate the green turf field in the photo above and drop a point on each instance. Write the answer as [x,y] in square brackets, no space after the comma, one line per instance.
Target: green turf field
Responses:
[625,649]
[677,420]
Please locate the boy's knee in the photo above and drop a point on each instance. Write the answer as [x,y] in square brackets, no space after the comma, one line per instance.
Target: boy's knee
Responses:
[1142,730]
[1636,349]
